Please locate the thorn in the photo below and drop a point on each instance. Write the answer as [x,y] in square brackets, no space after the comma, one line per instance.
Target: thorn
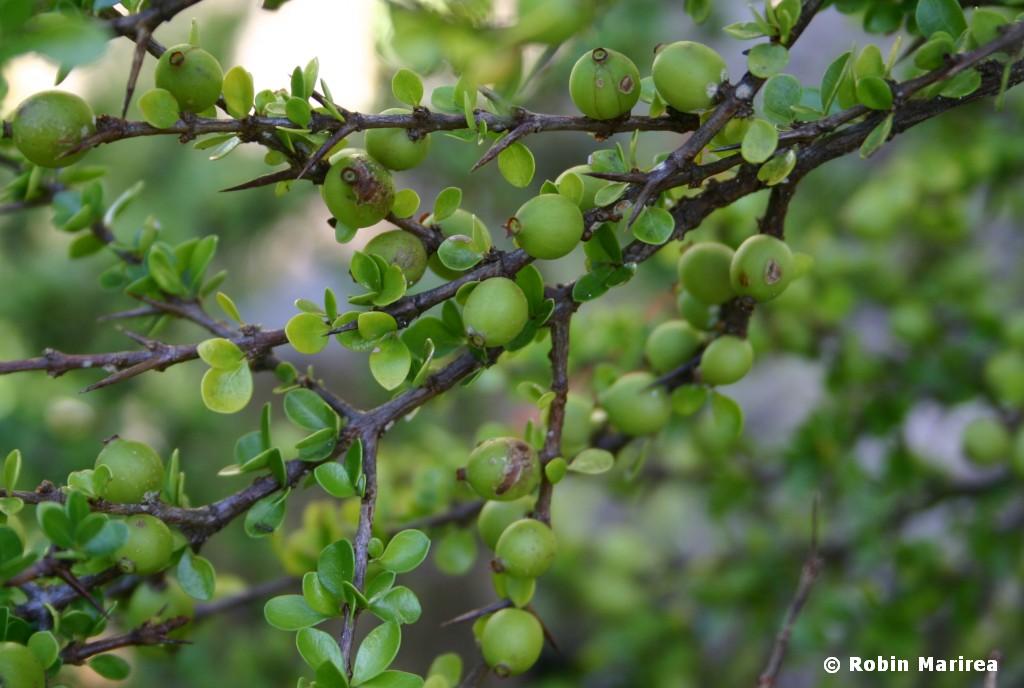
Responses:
[500,145]
[330,143]
[265,180]
[141,42]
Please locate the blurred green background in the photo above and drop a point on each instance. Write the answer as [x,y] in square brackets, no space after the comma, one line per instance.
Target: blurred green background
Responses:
[677,567]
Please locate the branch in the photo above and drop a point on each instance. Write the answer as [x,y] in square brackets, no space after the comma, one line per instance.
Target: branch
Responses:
[251,594]
[559,356]
[146,634]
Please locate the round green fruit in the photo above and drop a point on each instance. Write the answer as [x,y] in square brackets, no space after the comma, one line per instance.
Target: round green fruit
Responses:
[401,249]
[136,470]
[495,312]
[591,185]
[503,469]
[704,271]
[551,21]
[636,405]
[576,426]
[695,312]
[526,549]
[148,547]
[604,84]
[986,441]
[511,641]
[19,667]
[762,267]
[548,226]
[726,360]
[496,516]
[358,190]
[461,222]
[671,344]
[395,148]
[158,603]
[687,75]
[192,75]
[1004,374]
[49,124]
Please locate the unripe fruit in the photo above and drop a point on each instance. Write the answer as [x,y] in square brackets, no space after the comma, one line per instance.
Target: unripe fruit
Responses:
[48,124]
[148,547]
[986,441]
[460,222]
[762,267]
[591,185]
[496,516]
[19,667]
[495,312]
[695,312]
[357,189]
[511,641]
[192,75]
[526,549]
[604,84]
[394,148]
[636,405]
[401,249]
[726,360]
[671,344]
[158,604]
[576,426]
[1004,374]
[503,469]
[687,75]
[551,21]
[136,470]
[704,272]
[548,226]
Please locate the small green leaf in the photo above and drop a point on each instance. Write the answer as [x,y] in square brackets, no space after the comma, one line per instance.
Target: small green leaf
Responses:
[778,168]
[592,461]
[406,203]
[159,108]
[239,92]
[265,516]
[317,647]
[55,524]
[336,566]
[654,226]
[760,141]
[407,87]
[306,409]
[333,478]
[12,470]
[196,575]
[877,138]
[390,362]
[447,202]
[110,667]
[227,390]
[45,647]
[767,59]
[781,94]
[940,15]
[517,165]
[220,353]
[318,597]
[874,92]
[448,667]
[298,111]
[394,679]
[399,605]
[610,193]
[458,253]
[229,307]
[377,651]
[375,324]
[405,551]
[307,332]
[291,613]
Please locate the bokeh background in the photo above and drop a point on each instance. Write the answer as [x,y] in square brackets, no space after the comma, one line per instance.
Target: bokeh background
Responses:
[676,567]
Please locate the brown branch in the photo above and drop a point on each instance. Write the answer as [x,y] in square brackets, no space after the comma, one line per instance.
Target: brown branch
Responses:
[559,357]
[254,593]
[364,531]
[147,634]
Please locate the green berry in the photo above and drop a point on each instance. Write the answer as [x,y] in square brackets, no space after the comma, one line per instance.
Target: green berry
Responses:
[503,469]
[912,321]
[461,222]
[636,405]
[401,249]
[1004,374]
[395,148]
[192,75]
[551,21]
[19,667]
[726,360]
[591,185]
[548,226]
[576,426]
[148,547]
[1013,330]
[136,470]
[357,189]
[158,603]
[762,267]
[48,124]
[511,641]
[604,84]
[496,516]
[687,75]
[526,549]
[671,344]
[495,312]
[695,312]
[704,271]
[986,441]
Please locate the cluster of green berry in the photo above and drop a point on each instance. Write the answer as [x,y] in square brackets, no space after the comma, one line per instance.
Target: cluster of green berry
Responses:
[991,440]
